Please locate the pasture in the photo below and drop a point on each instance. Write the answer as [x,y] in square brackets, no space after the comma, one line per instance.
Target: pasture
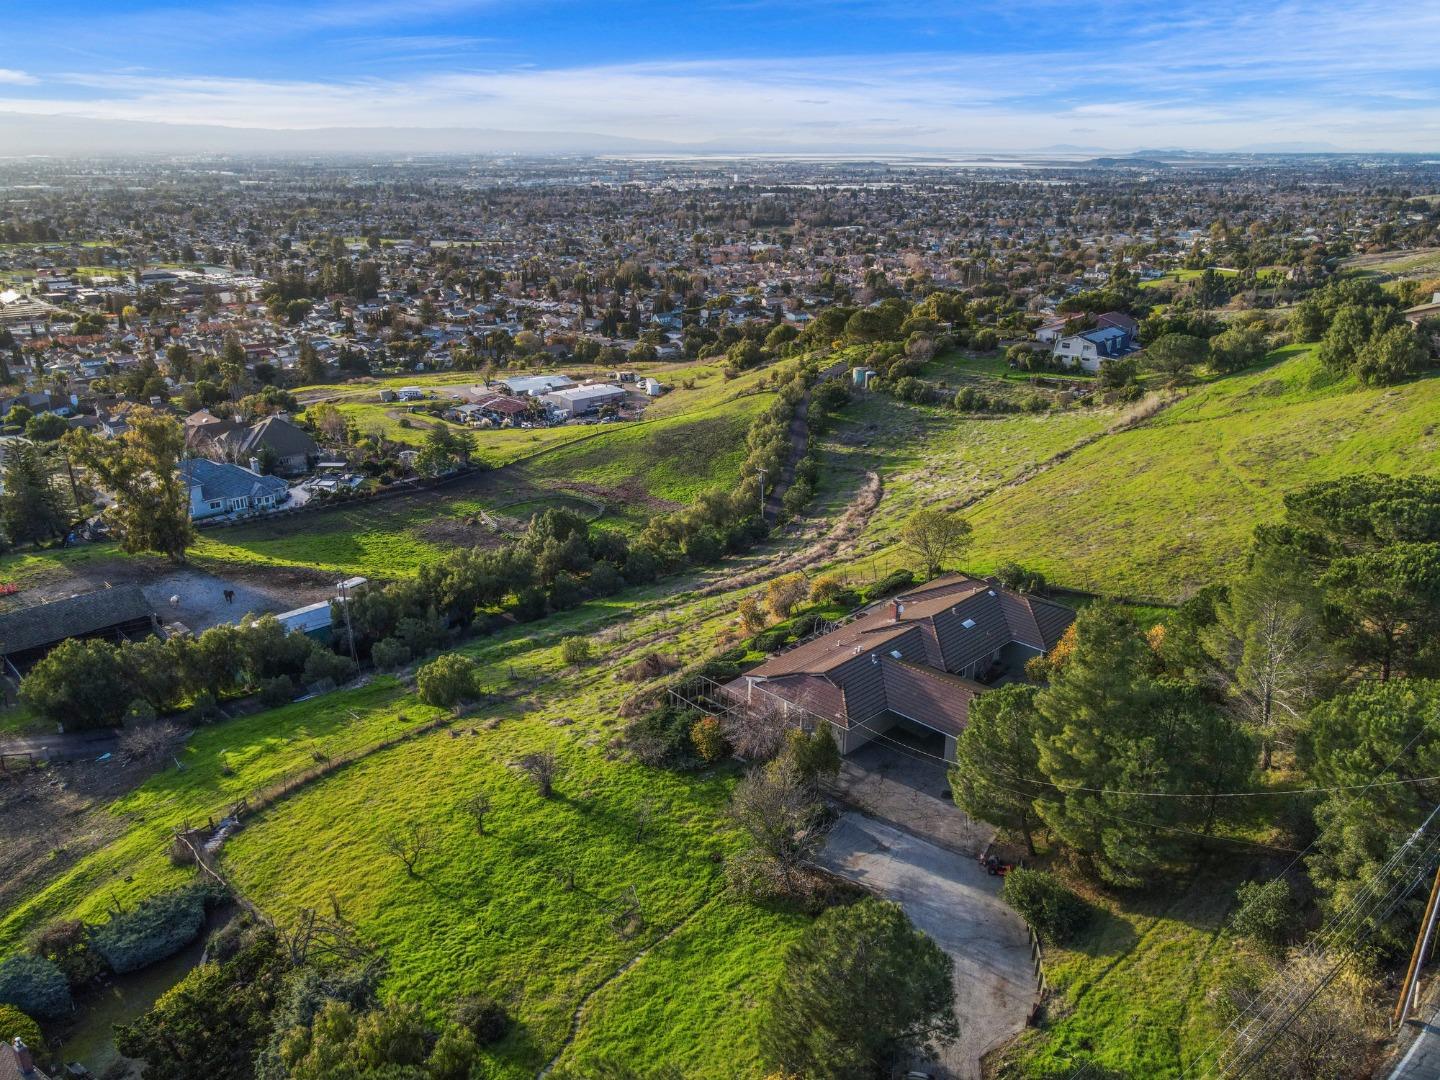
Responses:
[1168,505]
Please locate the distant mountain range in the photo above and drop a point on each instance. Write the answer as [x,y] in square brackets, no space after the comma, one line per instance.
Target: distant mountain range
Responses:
[25,134]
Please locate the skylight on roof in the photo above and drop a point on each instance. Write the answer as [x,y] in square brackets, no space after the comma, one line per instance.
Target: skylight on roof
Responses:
[968,624]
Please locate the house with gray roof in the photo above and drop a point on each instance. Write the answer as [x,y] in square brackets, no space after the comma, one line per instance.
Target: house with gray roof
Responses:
[916,662]
[218,488]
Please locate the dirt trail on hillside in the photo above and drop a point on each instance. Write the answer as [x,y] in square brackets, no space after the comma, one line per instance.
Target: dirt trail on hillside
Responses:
[839,539]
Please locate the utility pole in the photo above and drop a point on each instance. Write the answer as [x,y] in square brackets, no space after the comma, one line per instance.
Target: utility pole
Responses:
[762,493]
[349,627]
[1417,958]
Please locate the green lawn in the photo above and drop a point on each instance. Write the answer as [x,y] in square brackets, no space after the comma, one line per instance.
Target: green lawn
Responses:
[1169,505]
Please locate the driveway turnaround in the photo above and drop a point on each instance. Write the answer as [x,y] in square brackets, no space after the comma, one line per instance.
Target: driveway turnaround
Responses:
[958,904]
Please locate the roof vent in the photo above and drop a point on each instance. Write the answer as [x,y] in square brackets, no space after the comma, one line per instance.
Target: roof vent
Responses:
[968,624]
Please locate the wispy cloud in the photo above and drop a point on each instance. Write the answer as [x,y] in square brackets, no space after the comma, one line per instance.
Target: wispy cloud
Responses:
[1359,73]
[12,77]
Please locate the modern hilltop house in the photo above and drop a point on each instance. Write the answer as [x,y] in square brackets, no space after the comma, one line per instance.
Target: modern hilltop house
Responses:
[914,662]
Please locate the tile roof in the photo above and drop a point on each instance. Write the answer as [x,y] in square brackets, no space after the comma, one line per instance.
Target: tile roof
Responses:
[901,655]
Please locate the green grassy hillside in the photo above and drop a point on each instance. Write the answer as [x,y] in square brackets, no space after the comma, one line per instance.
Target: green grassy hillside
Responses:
[1170,504]
[672,459]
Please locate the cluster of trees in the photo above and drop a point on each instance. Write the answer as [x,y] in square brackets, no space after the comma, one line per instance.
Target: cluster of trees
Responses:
[1361,332]
[93,683]
[303,1004]
[1177,353]
[721,522]
[35,506]
[67,957]
[559,562]
[140,470]
[1323,650]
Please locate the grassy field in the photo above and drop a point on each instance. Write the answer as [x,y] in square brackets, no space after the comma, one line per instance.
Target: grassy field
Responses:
[933,456]
[222,763]
[1132,990]
[1168,505]
[672,458]
[528,911]
[627,471]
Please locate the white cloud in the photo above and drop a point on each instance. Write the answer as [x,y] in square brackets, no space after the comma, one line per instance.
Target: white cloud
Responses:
[1356,73]
[12,77]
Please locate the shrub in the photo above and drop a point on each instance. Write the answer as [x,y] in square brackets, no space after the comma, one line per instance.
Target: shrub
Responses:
[709,740]
[826,588]
[661,738]
[1265,914]
[650,666]
[1014,576]
[1046,904]
[15,1024]
[890,584]
[719,670]
[390,653]
[277,691]
[323,664]
[35,986]
[446,681]
[770,641]
[64,944]
[483,1017]
[815,755]
[575,650]
[158,927]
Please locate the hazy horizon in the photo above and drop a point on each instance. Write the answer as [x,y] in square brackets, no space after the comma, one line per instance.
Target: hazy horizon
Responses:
[847,76]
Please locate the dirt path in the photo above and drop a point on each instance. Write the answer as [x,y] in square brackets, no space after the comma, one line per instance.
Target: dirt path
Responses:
[839,539]
[578,1018]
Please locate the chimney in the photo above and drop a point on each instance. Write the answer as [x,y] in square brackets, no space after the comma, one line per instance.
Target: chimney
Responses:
[254,464]
[24,1060]
[897,609]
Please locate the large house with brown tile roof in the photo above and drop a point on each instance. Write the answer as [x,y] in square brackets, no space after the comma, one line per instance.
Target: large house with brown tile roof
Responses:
[916,660]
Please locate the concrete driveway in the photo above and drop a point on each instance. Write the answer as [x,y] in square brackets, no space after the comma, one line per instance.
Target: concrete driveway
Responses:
[954,901]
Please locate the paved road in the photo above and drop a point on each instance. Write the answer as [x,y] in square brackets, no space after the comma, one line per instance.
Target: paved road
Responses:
[954,901]
[1422,1061]
[72,746]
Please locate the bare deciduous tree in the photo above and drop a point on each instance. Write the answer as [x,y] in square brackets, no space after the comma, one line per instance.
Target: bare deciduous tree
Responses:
[542,768]
[477,806]
[756,730]
[409,843]
[153,740]
[333,937]
[775,810]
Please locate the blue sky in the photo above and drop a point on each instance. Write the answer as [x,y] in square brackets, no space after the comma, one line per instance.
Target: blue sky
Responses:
[943,75]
